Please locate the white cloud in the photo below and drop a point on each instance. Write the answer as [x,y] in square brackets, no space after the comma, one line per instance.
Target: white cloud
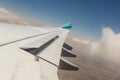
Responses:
[8,17]
[76,39]
[110,44]
[108,47]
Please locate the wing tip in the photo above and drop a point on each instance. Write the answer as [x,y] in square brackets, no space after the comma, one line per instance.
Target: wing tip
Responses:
[67,26]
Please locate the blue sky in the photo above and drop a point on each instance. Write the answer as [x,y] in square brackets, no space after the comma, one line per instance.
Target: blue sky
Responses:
[87,16]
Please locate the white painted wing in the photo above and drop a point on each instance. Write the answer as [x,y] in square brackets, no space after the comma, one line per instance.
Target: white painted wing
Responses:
[17,62]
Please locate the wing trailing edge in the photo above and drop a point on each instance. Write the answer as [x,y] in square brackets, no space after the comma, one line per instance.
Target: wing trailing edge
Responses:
[64,64]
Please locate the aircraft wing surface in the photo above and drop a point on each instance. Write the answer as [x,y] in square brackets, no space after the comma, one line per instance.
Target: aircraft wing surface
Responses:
[30,53]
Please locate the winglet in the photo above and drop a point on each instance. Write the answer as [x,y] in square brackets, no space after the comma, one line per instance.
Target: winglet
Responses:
[67,26]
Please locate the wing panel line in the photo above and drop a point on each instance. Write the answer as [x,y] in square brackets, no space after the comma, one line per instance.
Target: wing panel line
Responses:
[24,38]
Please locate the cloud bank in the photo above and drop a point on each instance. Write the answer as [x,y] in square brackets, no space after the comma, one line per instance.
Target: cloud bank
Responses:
[107,48]
[8,17]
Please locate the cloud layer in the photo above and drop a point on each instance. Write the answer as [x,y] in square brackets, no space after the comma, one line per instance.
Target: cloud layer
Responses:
[8,17]
[107,48]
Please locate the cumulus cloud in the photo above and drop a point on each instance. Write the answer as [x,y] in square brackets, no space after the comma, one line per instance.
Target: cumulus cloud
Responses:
[107,48]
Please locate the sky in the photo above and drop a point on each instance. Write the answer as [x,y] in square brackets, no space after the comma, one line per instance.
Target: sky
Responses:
[87,16]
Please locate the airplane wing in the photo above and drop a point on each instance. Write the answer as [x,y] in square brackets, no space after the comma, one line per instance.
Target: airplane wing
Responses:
[32,53]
